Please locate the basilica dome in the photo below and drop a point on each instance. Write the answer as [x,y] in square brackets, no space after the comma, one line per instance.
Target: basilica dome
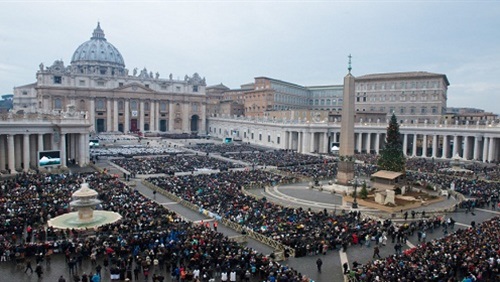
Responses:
[98,52]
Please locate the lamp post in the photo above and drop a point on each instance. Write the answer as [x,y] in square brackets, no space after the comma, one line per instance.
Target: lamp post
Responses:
[355,202]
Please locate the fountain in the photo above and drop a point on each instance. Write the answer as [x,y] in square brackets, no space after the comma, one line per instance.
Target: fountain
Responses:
[84,201]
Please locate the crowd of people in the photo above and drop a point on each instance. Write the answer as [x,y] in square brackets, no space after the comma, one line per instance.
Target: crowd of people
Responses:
[171,164]
[149,241]
[278,158]
[227,148]
[467,255]
[131,150]
[304,230]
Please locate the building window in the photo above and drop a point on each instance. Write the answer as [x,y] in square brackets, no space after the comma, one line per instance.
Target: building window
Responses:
[260,137]
[195,88]
[82,82]
[133,105]
[163,107]
[268,138]
[58,104]
[412,110]
[57,80]
[423,110]
[194,107]
[120,84]
[100,105]
[277,140]
[25,92]
[146,85]
[163,87]
[402,110]
[101,83]
[146,106]
[434,110]
[120,105]
[178,88]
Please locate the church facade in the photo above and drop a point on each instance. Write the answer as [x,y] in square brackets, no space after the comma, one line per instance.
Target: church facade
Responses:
[97,82]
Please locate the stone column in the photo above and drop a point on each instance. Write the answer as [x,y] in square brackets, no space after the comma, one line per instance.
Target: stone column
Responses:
[290,140]
[325,147]
[434,145]
[2,152]
[115,115]
[476,148]
[92,114]
[109,116]
[26,152]
[405,144]
[377,144]
[10,154]
[313,143]
[300,135]
[455,146]
[185,118]
[485,148]
[414,151]
[368,144]
[424,145]
[491,149]
[81,149]
[126,124]
[18,150]
[152,116]
[203,118]
[33,148]
[171,116]
[360,142]
[466,147]
[40,143]
[141,116]
[445,147]
[63,150]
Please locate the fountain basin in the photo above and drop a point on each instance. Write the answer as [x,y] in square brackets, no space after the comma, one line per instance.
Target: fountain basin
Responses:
[72,220]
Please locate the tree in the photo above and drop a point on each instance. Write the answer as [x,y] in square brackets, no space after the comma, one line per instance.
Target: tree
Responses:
[364,191]
[392,157]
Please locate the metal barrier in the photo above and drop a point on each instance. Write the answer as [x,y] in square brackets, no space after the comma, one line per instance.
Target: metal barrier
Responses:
[277,246]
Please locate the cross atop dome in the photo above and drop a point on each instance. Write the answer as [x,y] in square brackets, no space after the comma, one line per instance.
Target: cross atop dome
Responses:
[98,32]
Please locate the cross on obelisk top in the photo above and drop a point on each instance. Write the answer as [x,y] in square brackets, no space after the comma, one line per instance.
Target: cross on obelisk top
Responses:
[349,67]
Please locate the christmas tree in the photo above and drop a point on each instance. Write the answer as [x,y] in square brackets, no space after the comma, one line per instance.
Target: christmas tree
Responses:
[392,157]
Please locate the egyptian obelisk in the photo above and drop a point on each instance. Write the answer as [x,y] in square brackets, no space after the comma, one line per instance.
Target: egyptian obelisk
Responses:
[346,150]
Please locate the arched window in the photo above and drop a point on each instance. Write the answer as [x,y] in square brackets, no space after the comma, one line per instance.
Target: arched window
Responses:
[133,105]
[58,104]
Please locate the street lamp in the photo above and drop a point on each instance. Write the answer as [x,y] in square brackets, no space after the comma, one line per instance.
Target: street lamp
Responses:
[355,202]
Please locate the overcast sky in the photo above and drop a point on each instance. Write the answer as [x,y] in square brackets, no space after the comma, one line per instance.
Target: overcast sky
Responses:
[231,42]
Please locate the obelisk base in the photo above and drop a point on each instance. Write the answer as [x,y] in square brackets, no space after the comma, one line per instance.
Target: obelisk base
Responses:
[345,173]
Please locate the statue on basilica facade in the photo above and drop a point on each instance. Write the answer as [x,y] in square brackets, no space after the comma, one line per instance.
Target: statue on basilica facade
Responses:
[41,66]
[157,75]
[135,71]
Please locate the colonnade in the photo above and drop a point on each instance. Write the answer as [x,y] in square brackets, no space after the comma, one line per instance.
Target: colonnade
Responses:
[19,151]
[480,143]
[435,145]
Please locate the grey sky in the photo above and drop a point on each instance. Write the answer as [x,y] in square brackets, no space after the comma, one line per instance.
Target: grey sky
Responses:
[231,42]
